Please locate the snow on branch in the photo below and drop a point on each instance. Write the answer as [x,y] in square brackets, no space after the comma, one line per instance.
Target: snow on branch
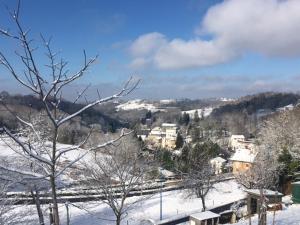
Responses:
[127,89]
[27,150]
[95,148]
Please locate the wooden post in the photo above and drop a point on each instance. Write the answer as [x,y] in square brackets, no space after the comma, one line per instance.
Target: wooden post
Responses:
[51,220]
[68,214]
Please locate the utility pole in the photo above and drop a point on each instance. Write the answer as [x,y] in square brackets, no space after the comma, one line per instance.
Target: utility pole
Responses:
[68,213]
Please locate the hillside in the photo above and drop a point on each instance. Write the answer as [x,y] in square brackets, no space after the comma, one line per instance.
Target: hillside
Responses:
[252,104]
[29,103]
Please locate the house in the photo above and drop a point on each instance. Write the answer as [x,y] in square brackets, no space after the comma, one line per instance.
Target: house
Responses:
[170,130]
[204,218]
[217,164]
[143,134]
[242,160]
[155,136]
[234,141]
[273,198]
[239,142]
[164,136]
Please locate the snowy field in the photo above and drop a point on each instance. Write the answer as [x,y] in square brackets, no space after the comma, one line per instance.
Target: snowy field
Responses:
[136,104]
[174,203]
[206,112]
[288,216]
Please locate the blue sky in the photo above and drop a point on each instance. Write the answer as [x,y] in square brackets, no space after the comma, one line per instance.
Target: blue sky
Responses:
[180,48]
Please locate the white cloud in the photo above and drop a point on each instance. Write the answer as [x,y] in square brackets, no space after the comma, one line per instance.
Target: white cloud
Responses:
[268,27]
[178,54]
[147,44]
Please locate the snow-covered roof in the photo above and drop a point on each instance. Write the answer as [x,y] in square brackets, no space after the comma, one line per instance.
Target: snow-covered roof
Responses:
[205,215]
[169,125]
[237,136]
[156,129]
[243,155]
[267,192]
[166,173]
[176,152]
[218,159]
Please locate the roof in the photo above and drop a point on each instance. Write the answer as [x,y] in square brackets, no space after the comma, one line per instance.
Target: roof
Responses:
[169,125]
[156,129]
[243,155]
[237,136]
[218,159]
[166,173]
[267,192]
[205,215]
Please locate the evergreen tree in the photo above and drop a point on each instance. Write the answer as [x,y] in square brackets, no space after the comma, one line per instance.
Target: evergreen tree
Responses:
[196,117]
[148,115]
[179,141]
[195,133]
[184,119]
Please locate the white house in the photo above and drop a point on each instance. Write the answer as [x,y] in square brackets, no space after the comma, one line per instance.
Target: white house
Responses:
[234,141]
[164,136]
[217,164]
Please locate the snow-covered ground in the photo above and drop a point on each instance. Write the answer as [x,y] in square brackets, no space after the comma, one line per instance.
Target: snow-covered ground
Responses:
[167,101]
[11,153]
[288,216]
[206,112]
[174,203]
[227,99]
[9,149]
[137,104]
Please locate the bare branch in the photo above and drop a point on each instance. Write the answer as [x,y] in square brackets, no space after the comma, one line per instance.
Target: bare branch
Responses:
[25,149]
[106,144]
[125,91]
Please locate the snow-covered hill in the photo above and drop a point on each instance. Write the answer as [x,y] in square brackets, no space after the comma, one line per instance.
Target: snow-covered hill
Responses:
[205,111]
[136,104]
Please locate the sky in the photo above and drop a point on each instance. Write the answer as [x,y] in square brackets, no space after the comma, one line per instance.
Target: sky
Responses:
[179,48]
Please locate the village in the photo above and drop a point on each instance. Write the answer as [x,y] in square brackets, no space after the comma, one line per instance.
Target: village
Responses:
[235,165]
[149,112]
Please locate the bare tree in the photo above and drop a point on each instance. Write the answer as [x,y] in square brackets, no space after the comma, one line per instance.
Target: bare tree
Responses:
[282,132]
[115,173]
[199,173]
[262,175]
[22,175]
[5,205]
[8,215]
[49,91]
[278,134]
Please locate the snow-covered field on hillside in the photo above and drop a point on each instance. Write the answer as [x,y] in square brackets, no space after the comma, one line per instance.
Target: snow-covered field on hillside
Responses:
[205,111]
[137,104]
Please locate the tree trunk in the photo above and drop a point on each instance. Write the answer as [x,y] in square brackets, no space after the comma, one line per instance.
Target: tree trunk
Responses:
[54,200]
[262,216]
[118,220]
[68,214]
[203,203]
[36,199]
